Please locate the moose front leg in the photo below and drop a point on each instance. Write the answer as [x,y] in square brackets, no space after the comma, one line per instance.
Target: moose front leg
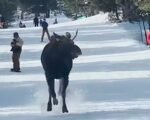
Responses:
[52,94]
[65,84]
[49,105]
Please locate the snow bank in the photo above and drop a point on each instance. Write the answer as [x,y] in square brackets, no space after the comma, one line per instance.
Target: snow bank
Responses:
[100,18]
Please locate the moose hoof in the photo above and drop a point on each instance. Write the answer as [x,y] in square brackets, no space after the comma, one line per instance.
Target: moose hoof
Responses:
[64,110]
[49,108]
[55,101]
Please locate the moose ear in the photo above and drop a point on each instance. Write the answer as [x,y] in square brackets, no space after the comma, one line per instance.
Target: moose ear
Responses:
[54,33]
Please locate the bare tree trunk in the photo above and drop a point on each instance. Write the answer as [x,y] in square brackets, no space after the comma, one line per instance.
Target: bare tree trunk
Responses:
[116,12]
[47,13]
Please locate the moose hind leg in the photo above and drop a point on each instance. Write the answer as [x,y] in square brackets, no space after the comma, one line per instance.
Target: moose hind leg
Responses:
[65,84]
[60,87]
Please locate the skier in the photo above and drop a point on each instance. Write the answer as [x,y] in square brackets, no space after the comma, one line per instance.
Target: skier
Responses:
[45,30]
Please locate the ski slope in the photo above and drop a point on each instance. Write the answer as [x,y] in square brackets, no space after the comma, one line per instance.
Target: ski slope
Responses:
[110,81]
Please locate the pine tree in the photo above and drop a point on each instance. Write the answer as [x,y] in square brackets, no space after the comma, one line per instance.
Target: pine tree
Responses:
[8,9]
[38,6]
[144,5]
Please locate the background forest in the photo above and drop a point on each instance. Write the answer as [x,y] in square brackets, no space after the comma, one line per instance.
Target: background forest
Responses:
[118,9]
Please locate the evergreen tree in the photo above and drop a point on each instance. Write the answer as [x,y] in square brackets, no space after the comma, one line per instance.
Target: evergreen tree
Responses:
[38,6]
[144,5]
[8,9]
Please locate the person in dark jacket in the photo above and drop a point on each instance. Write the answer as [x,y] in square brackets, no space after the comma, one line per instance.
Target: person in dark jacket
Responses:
[21,25]
[16,48]
[55,22]
[41,22]
[45,30]
[3,22]
[36,21]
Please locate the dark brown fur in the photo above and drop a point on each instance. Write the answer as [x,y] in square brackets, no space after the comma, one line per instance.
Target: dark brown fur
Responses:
[57,60]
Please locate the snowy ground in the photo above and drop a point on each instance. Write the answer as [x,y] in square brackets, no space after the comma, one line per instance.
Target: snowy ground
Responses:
[110,81]
[61,18]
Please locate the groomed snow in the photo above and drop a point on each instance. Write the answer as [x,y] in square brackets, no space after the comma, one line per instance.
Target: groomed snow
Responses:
[110,81]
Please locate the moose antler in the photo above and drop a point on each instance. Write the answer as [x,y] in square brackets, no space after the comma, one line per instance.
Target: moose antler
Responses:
[75,35]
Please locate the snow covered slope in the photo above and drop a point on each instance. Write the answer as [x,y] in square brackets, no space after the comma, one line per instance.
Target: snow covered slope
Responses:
[110,81]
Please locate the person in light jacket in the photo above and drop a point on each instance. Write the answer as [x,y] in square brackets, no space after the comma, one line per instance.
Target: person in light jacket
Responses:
[16,48]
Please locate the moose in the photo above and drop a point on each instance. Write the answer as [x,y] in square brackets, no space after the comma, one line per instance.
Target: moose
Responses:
[57,61]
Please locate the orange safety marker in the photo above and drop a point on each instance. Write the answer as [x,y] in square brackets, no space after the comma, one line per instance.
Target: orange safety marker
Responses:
[148,38]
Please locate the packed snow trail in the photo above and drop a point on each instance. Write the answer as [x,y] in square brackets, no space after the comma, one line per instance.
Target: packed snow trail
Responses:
[110,81]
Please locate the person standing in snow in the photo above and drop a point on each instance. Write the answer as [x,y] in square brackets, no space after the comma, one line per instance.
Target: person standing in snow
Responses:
[36,21]
[16,49]
[41,22]
[45,30]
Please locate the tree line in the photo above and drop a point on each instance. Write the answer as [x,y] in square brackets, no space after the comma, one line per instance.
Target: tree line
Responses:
[124,9]
[119,9]
[8,8]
